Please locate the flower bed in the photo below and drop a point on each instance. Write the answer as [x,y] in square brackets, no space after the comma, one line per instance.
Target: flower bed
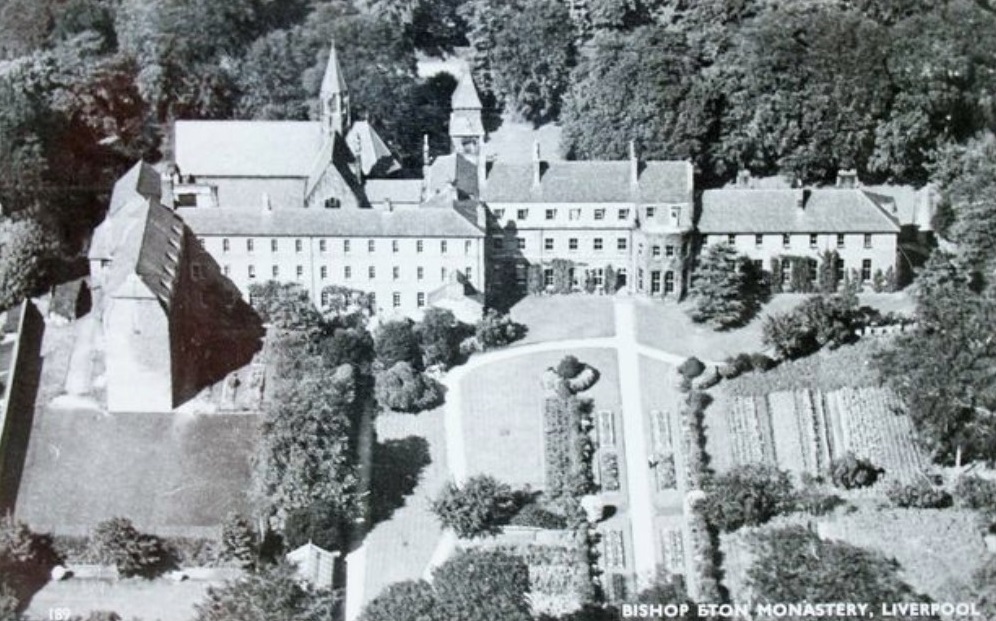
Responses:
[665,473]
[788,436]
[614,551]
[606,428]
[673,543]
[609,468]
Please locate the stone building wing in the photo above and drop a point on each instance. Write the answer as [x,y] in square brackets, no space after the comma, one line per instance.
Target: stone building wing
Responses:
[794,210]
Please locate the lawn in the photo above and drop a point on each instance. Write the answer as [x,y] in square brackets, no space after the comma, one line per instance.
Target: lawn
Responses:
[171,474]
[560,317]
[667,326]
[503,412]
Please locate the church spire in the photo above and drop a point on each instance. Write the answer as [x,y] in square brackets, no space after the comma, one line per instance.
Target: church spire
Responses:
[334,96]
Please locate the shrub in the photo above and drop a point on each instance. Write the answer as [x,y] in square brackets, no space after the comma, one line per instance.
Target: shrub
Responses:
[816,502]
[569,367]
[440,334]
[850,472]
[728,371]
[919,495]
[397,341]
[497,330]
[532,514]
[974,492]
[610,472]
[821,320]
[710,379]
[480,507]
[691,368]
[747,495]
[117,542]
[403,389]
[762,362]
[238,542]
[724,289]
[584,380]
[321,523]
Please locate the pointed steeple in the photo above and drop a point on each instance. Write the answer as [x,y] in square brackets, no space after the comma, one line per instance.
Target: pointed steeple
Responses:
[465,95]
[335,96]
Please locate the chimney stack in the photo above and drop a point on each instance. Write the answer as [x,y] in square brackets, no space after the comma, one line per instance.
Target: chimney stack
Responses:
[537,163]
[847,178]
[634,165]
[482,216]
[267,205]
[801,196]
[743,178]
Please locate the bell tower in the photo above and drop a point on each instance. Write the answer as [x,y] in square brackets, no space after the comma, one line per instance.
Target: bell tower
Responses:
[335,97]
[466,125]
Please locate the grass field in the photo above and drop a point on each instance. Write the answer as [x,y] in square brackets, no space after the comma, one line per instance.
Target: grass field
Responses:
[559,317]
[171,474]
[503,417]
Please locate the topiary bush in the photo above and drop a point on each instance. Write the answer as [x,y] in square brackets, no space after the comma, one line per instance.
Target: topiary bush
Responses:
[851,472]
[691,368]
[709,379]
[583,380]
[238,543]
[569,367]
[728,370]
[919,495]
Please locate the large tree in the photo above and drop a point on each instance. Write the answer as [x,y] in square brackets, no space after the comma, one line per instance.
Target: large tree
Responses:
[747,496]
[524,51]
[637,86]
[273,593]
[793,564]
[943,369]
[724,288]
[26,256]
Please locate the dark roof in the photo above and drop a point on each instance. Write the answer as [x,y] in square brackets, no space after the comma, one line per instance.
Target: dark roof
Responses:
[465,94]
[425,221]
[589,182]
[335,157]
[142,239]
[375,156]
[827,210]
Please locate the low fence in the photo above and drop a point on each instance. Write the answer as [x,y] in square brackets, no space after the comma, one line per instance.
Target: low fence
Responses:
[17,410]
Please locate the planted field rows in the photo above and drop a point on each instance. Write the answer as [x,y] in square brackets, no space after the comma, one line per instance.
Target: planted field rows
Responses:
[802,431]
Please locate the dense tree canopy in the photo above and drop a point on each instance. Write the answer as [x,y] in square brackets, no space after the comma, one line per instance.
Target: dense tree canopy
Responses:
[272,593]
[26,254]
[794,565]
[726,288]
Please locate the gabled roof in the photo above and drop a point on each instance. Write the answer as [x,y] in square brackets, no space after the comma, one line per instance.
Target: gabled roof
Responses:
[452,171]
[913,206]
[465,95]
[334,158]
[394,190]
[246,148]
[142,239]
[333,81]
[375,156]
[403,221]
[589,182]
[826,210]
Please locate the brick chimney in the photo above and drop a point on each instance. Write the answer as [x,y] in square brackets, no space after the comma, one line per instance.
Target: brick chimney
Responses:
[743,178]
[537,163]
[482,216]
[801,198]
[847,178]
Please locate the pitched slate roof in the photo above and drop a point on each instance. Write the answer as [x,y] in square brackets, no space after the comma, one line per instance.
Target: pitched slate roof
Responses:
[465,95]
[827,210]
[246,148]
[912,206]
[588,182]
[452,171]
[375,156]
[395,190]
[401,222]
[142,239]
[464,123]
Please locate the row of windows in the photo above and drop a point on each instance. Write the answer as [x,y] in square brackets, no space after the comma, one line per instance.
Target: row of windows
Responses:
[226,245]
[655,281]
[866,269]
[498,243]
[787,240]
[395,299]
[572,214]
[347,272]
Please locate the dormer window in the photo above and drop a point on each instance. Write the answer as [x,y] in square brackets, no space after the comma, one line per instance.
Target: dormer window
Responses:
[332,203]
